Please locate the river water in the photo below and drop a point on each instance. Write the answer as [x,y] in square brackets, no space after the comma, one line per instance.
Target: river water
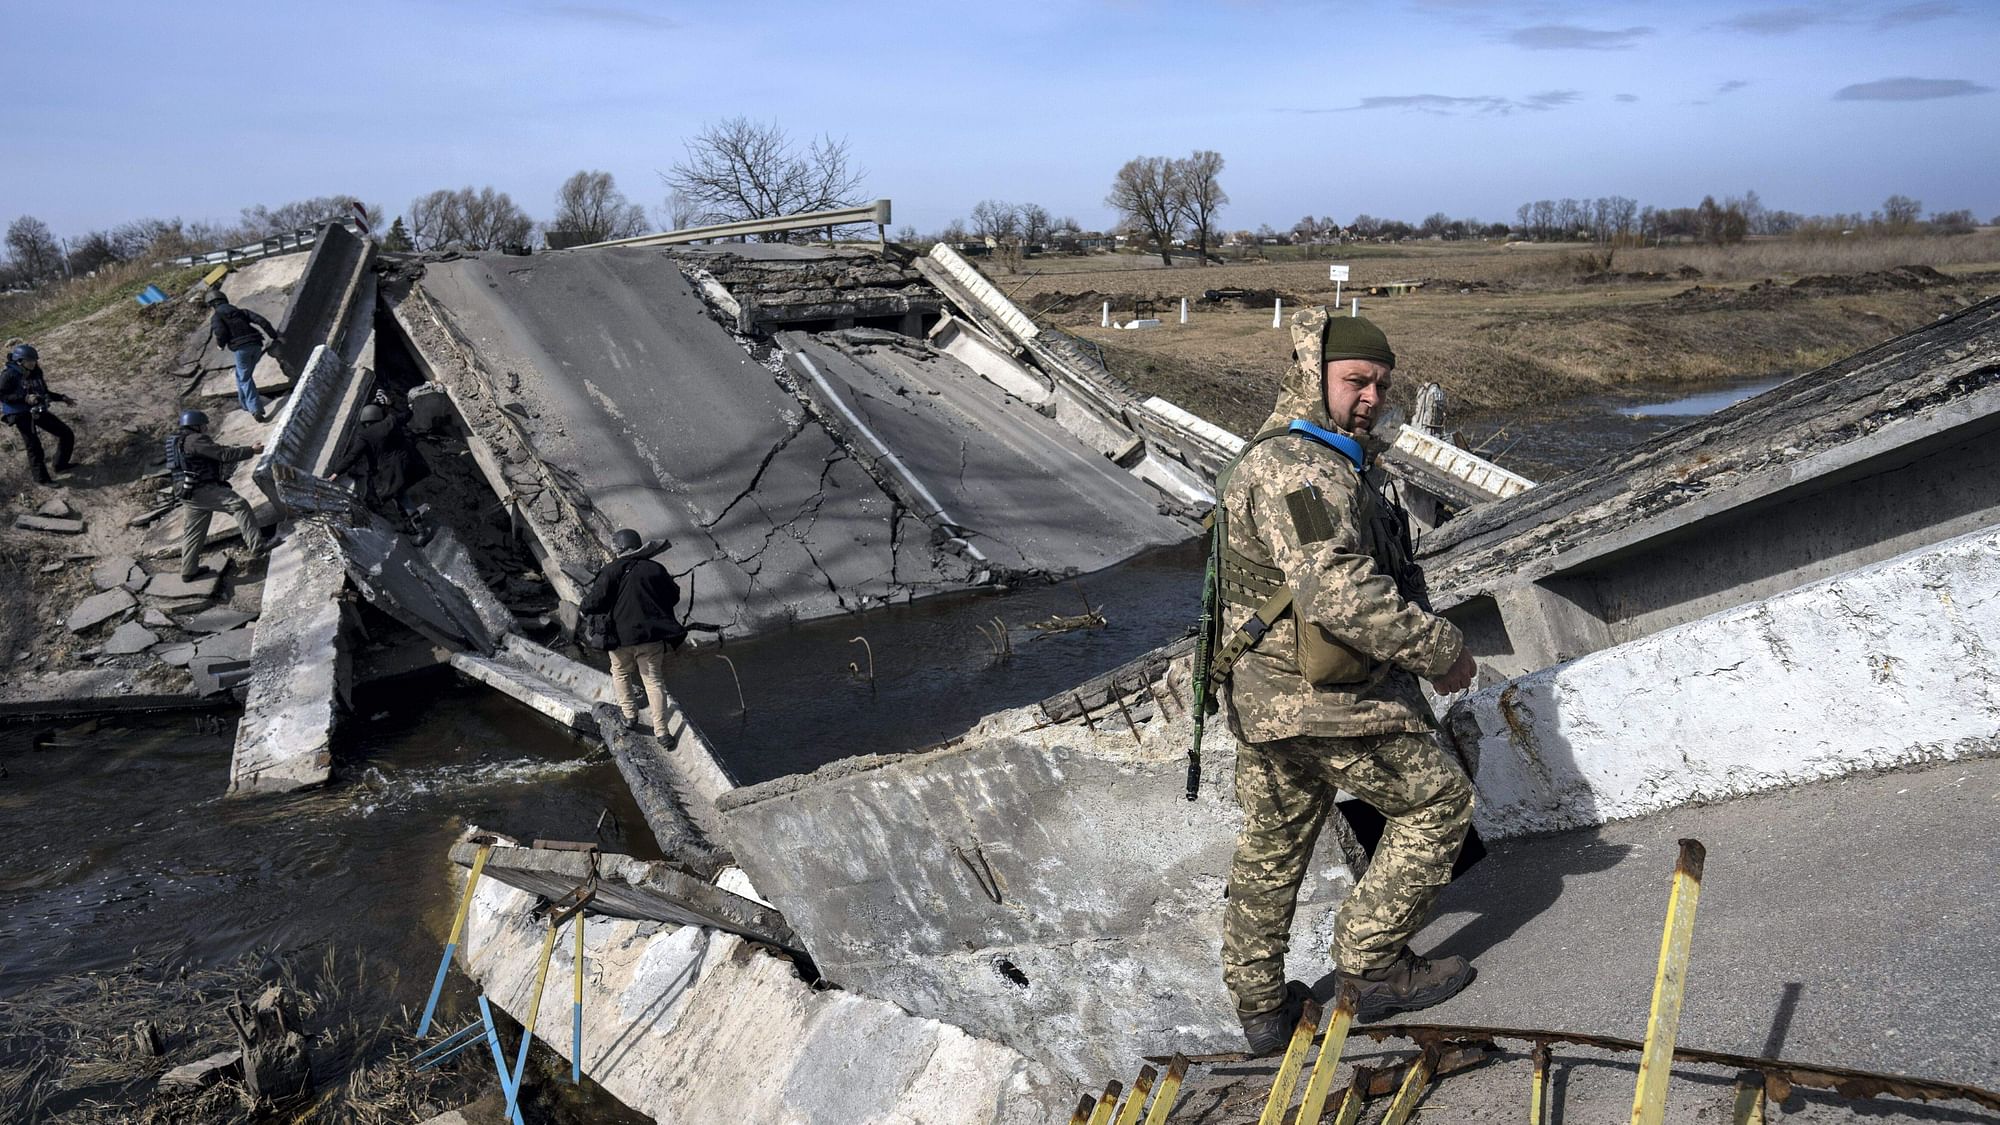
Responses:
[1547,443]
[116,845]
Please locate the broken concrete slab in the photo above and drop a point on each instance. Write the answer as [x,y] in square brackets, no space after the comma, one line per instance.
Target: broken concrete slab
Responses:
[399,580]
[177,655]
[53,526]
[204,1072]
[750,486]
[1884,666]
[300,672]
[217,674]
[57,508]
[54,567]
[129,638]
[216,619]
[174,586]
[641,890]
[691,1024]
[231,644]
[157,619]
[1880,453]
[99,608]
[1042,884]
[113,571]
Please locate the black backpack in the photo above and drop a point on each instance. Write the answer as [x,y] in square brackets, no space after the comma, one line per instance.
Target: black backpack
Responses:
[593,630]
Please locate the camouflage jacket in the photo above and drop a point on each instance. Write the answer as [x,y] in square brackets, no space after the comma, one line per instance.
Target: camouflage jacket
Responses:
[1343,580]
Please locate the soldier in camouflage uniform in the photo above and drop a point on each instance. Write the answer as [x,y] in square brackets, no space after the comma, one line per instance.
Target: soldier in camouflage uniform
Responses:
[1301,513]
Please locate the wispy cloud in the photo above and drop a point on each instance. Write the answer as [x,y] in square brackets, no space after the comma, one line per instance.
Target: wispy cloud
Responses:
[1917,13]
[1624,97]
[1776,21]
[1731,86]
[1569,37]
[1450,105]
[613,16]
[1909,90]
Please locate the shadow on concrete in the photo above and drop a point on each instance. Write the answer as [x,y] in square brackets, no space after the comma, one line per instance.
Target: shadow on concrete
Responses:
[1518,882]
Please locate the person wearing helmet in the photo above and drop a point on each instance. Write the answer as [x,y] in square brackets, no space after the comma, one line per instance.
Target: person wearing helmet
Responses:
[638,596]
[196,462]
[241,333]
[24,403]
[387,459]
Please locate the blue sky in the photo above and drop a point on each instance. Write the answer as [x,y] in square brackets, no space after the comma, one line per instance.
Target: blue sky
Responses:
[123,110]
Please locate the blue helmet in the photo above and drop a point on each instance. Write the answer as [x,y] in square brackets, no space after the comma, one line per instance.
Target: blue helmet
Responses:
[193,420]
[22,353]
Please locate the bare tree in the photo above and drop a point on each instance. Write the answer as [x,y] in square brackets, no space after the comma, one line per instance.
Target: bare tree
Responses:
[1198,195]
[997,220]
[742,169]
[466,219]
[589,204]
[263,222]
[1145,195]
[34,249]
[679,212]
[1036,223]
[1899,213]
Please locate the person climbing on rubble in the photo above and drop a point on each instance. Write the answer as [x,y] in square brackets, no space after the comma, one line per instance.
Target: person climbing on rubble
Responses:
[389,462]
[1312,546]
[196,462]
[242,333]
[24,403]
[635,597]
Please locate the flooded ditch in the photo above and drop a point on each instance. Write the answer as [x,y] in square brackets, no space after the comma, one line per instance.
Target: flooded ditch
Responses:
[1566,436]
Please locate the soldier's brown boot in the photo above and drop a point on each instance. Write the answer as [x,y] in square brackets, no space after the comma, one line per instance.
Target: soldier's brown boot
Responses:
[1412,982]
[1270,1032]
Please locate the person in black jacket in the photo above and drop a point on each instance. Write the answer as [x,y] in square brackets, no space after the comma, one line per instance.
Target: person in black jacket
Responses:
[241,333]
[640,596]
[200,479]
[24,403]
[387,459]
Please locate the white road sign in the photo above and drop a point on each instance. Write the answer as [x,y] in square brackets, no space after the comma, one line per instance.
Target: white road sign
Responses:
[1336,273]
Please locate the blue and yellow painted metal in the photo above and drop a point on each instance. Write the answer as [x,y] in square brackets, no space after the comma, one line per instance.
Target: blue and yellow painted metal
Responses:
[457,932]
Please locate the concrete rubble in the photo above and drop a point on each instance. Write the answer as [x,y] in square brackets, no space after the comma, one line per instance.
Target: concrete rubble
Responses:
[99,608]
[688,1023]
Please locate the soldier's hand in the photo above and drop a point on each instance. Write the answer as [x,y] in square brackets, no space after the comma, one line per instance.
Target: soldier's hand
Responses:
[1459,677]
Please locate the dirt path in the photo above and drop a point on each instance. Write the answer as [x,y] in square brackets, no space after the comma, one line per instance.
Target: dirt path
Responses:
[131,370]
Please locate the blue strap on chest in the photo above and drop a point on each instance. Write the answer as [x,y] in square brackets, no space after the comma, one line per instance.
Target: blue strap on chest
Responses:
[1340,443]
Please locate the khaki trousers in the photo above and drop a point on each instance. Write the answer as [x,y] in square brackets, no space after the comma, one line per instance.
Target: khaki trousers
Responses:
[649,662]
[202,501]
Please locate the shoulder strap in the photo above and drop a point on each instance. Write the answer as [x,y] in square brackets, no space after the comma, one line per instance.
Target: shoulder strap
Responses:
[1245,636]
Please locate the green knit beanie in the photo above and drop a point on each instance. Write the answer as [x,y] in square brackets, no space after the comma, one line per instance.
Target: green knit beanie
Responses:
[1355,337]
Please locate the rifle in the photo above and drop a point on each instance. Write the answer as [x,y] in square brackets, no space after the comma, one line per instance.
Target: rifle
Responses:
[1204,649]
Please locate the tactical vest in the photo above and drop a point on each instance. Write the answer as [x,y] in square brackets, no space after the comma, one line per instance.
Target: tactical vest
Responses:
[188,469]
[1323,659]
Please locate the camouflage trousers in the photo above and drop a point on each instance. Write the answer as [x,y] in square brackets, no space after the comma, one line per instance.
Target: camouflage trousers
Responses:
[1287,789]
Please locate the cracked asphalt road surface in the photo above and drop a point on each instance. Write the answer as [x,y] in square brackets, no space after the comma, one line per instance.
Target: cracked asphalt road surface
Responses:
[675,429]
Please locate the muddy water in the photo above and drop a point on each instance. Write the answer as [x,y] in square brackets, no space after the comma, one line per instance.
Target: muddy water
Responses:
[116,844]
[807,698]
[1547,443]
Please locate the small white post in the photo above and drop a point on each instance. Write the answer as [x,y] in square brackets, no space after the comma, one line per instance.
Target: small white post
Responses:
[1183,310]
[1105,320]
[1278,313]
[1357,307]
[1336,292]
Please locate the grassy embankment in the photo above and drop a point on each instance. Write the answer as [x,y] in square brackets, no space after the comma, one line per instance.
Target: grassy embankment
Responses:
[1508,329]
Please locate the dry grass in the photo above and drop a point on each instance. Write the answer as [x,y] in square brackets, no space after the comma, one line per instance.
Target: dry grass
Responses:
[67,1054]
[1792,258]
[1546,267]
[30,314]
[1506,351]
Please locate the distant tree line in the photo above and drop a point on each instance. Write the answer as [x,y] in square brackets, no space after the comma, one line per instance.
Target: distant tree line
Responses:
[1619,219]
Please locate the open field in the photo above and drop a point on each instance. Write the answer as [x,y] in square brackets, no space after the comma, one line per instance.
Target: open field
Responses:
[1505,330]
